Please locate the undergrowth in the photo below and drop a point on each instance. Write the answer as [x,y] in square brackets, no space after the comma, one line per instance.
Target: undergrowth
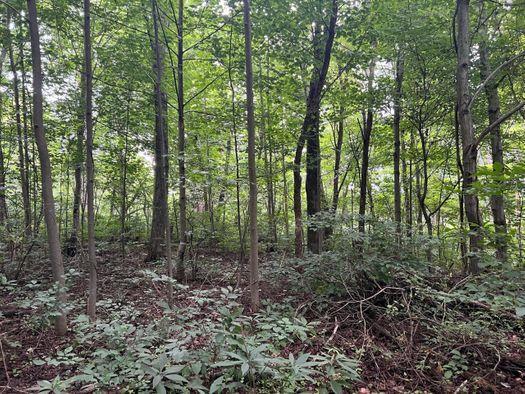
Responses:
[375,317]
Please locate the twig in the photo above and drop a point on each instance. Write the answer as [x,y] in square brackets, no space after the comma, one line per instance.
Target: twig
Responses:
[334,331]
[5,364]
[461,387]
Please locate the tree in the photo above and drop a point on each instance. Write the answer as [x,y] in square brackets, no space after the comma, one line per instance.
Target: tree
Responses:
[3,202]
[53,239]
[497,202]
[310,135]
[158,223]
[181,143]
[252,170]
[397,140]
[19,132]
[366,134]
[90,170]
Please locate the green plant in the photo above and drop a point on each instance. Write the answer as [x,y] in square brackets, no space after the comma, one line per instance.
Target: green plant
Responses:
[62,357]
[56,386]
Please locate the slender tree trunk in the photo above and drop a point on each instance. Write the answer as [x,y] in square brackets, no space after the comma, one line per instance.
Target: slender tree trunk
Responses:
[297,199]
[519,214]
[397,142]
[3,202]
[158,222]
[45,167]
[328,230]
[21,157]
[124,188]
[406,187]
[161,125]
[310,129]
[285,195]
[252,170]
[497,202]
[29,163]
[470,150]
[74,242]
[90,170]
[368,118]
[238,217]
[181,145]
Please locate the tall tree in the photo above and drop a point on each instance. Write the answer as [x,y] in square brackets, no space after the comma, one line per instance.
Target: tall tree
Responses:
[22,165]
[53,238]
[90,170]
[397,140]
[497,202]
[366,134]
[74,241]
[158,223]
[181,143]
[470,148]
[3,53]
[252,170]
[310,132]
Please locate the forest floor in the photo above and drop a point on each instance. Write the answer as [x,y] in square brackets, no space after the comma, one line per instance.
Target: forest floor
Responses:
[396,347]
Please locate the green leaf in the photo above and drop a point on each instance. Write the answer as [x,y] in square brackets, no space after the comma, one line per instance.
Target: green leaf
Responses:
[336,387]
[520,311]
[226,363]
[216,385]
[156,380]
[245,367]
[176,378]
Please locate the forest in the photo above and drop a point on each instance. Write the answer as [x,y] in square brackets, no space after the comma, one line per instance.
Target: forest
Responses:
[262,196]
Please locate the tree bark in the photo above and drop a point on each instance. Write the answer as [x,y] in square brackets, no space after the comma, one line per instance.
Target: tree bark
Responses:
[29,163]
[252,170]
[238,218]
[3,202]
[470,150]
[45,168]
[497,202]
[181,145]
[310,129]
[397,142]
[368,122]
[158,222]
[21,157]
[74,241]
[161,129]
[90,170]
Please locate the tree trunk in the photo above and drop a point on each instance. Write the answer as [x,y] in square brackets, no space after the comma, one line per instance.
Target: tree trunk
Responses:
[181,145]
[45,168]
[3,202]
[74,241]
[461,205]
[285,194]
[161,127]
[297,199]
[90,170]
[158,222]
[497,202]
[238,218]
[368,118]
[470,150]
[310,129]
[397,142]
[21,157]
[328,230]
[252,170]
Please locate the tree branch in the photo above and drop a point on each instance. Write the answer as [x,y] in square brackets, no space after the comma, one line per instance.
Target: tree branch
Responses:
[499,121]
[492,75]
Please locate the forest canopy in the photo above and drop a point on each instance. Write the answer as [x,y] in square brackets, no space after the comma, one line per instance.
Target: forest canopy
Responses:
[262,196]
